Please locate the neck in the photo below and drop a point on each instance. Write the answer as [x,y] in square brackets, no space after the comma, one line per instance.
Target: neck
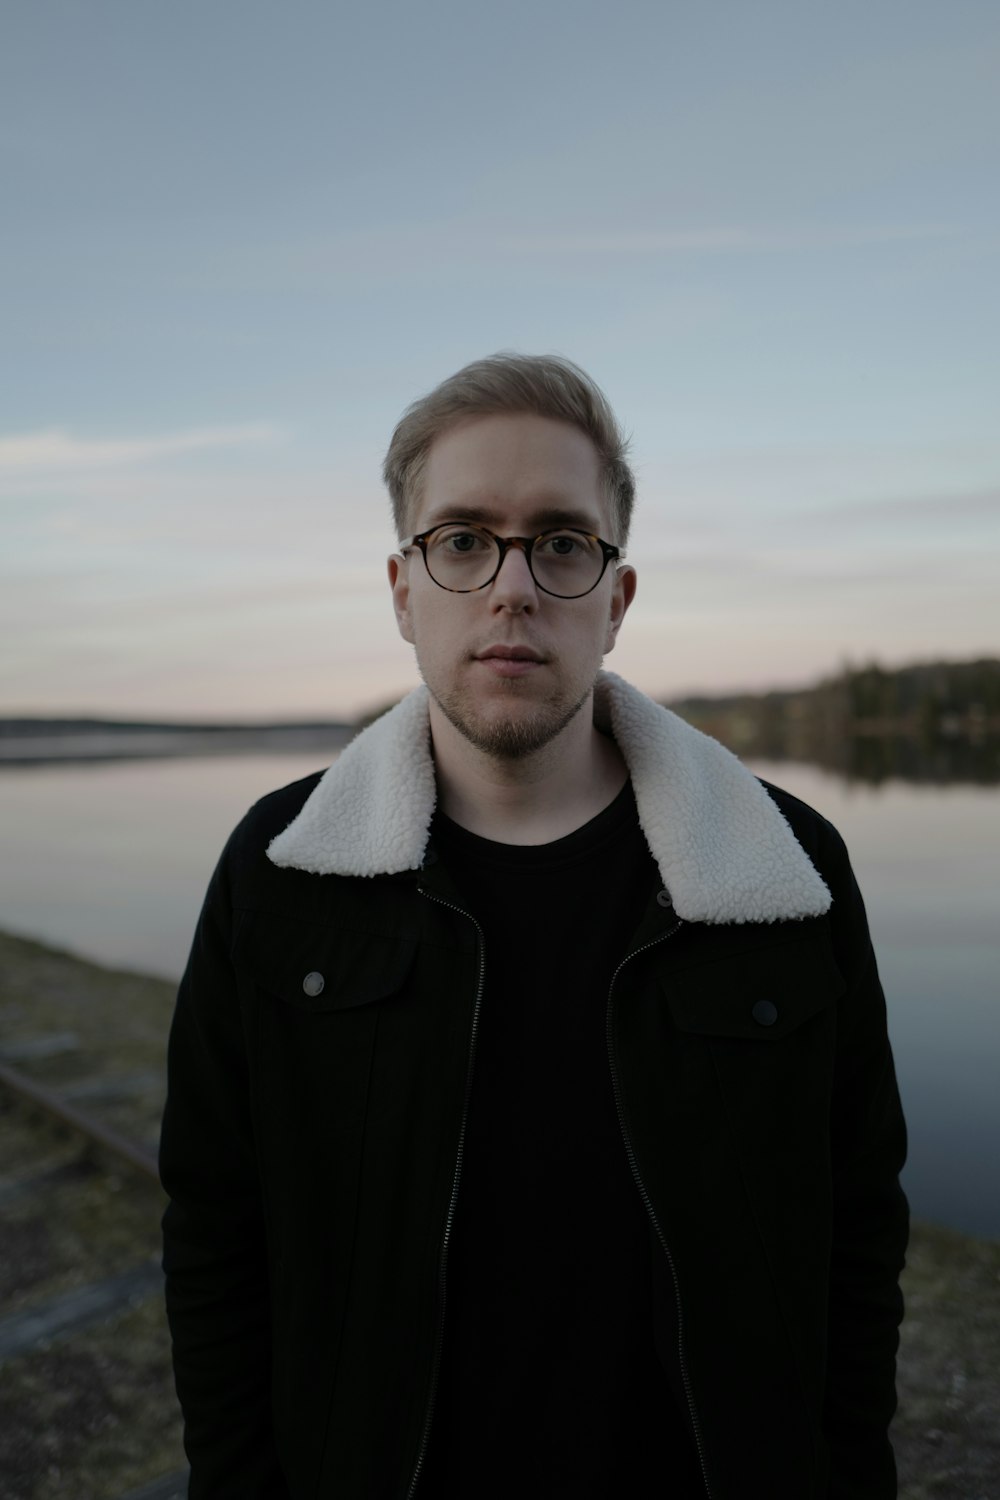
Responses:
[533,799]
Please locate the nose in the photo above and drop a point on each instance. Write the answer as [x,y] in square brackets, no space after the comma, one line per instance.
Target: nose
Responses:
[514,587]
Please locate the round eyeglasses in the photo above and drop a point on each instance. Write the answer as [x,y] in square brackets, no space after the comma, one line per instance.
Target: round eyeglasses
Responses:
[462,558]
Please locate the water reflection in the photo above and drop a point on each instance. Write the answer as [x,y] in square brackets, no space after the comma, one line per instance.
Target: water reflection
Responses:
[880,758]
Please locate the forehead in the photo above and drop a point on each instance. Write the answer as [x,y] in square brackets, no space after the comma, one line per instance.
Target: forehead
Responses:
[514,469]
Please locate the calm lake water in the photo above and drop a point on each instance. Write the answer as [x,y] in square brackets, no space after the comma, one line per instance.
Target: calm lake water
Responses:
[111,861]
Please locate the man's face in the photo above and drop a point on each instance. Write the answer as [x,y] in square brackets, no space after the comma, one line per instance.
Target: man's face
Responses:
[518,475]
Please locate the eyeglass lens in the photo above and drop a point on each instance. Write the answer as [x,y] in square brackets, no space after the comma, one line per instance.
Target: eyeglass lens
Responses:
[466,557]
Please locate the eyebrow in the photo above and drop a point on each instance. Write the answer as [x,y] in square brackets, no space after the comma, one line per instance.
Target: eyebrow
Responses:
[543,519]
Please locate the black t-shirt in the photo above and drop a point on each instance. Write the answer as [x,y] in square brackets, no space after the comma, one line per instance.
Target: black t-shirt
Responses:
[549,1380]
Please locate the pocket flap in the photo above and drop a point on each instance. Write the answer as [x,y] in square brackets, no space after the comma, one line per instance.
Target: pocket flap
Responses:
[759,995]
[316,967]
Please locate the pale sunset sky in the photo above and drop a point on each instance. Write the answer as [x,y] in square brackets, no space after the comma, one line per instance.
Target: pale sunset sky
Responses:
[238,239]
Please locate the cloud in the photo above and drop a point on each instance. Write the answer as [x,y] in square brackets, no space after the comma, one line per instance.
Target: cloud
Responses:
[975,506]
[53,449]
[671,241]
[463,245]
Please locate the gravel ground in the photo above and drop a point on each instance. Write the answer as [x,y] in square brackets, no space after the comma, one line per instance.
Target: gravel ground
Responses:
[947,1430]
[92,1414]
[86,1411]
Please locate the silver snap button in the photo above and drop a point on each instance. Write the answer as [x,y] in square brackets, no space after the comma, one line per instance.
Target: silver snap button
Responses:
[765,1012]
[663,898]
[313,983]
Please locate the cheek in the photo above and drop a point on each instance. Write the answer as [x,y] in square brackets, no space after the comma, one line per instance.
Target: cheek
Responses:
[598,627]
[437,632]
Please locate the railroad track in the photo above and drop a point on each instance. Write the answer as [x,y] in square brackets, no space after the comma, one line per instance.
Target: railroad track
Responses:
[87,1405]
[64,1112]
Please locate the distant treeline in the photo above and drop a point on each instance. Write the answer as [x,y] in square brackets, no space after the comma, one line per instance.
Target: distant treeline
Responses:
[935,721]
[31,741]
[24,727]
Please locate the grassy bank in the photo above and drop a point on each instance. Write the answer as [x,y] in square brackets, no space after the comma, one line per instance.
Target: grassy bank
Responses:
[94,1415]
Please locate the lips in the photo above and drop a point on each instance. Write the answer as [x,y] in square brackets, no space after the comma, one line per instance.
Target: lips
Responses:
[509,653]
[510,661]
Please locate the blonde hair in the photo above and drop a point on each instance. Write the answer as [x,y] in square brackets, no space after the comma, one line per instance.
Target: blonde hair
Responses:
[544,384]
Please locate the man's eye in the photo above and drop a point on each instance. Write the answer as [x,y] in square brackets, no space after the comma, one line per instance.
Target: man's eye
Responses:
[461,541]
[561,545]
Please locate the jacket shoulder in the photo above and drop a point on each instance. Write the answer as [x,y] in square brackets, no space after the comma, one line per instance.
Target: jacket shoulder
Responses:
[274,812]
[819,839]
[817,835]
[244,858]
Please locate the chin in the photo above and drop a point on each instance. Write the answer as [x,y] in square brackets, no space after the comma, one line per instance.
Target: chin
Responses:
[506,735]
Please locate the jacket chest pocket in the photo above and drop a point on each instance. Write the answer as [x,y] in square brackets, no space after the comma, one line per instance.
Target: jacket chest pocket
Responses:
[758,1031]
[316,968]
[314,995]
[764,996]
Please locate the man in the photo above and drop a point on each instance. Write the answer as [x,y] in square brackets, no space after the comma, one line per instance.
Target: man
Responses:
[532,1122]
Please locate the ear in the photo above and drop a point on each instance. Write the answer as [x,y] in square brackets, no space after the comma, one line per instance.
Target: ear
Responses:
[621,597]
[399,582]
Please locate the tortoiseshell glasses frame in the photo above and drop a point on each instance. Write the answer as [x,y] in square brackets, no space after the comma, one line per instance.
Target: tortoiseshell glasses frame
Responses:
[527,544]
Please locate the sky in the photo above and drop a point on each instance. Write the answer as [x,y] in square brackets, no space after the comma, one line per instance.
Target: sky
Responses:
[238,239]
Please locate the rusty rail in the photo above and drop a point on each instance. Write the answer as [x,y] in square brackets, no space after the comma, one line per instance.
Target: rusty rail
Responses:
[67,1114]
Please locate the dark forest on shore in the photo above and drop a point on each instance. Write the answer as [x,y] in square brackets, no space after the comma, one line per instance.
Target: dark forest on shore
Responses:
[934,721]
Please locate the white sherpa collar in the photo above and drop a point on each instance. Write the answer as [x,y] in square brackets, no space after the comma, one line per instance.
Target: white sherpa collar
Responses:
[724,850]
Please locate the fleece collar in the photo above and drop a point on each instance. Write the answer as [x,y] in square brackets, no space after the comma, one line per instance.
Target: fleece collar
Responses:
[724,850]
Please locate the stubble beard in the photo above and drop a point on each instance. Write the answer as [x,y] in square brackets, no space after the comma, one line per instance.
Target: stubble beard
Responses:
[509,738]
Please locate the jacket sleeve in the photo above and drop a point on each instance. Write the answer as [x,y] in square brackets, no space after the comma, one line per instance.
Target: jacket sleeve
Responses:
[870,1215]
[214,1254]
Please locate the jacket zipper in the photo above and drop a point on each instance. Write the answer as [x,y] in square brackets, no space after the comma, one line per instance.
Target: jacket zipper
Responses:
[449,1221]
[616,1085]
